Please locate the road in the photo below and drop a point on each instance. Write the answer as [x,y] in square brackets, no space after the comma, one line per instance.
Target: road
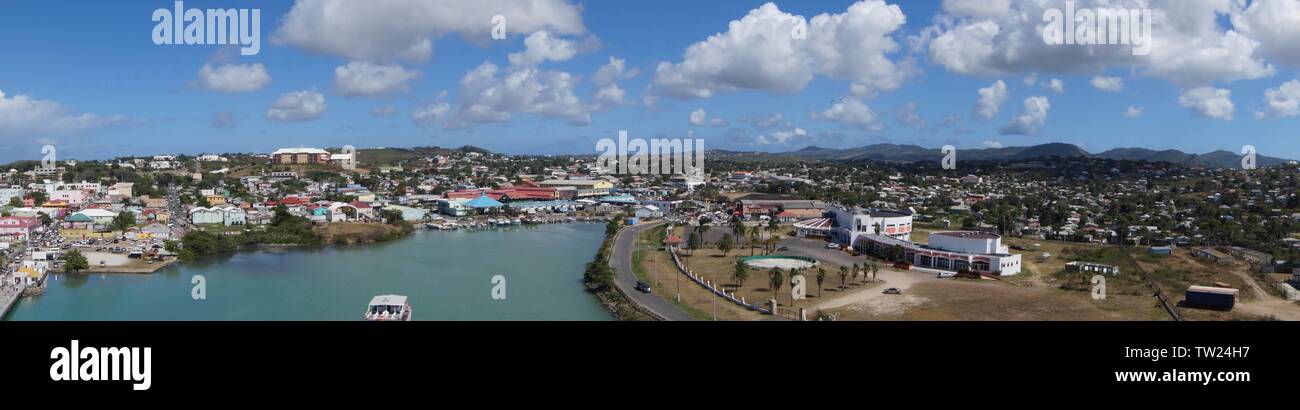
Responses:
[893,278]
[625,278]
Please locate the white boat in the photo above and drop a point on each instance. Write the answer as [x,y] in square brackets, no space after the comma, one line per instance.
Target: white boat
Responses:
[388,308]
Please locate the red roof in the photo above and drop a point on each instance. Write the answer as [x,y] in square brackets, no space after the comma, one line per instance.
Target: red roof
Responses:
[786,214]
[19,222]
[673,240]
[360,205]
[292,200]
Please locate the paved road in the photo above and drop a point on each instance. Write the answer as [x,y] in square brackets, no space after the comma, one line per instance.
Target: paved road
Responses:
[625,279]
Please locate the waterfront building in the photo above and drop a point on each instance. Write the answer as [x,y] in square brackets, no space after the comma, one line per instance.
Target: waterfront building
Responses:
[585,187]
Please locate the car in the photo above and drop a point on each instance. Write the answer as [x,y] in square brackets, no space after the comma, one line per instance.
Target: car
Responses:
[832,245]
[893,291]
[783,248]
[643,287]
[945,275]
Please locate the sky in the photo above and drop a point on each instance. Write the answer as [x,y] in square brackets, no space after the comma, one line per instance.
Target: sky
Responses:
[88,78]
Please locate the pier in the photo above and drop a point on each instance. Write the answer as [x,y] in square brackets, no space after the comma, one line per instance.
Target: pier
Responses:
[9,295]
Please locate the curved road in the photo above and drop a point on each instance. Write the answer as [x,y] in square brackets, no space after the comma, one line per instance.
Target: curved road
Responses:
[625,279]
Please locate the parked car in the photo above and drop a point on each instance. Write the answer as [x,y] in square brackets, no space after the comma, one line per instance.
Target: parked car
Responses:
[893,291]
[832,245]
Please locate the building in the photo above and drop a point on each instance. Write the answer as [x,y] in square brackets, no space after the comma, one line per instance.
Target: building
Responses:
[977,252]
[1081,266]
[1212,256]
[122,188]
[586,188]
[99,216]
[851,224]
[17,227]
[300,156]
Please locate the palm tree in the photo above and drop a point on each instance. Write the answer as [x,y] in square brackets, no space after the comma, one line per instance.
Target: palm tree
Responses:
[775,280]
[874,269]
[725,244]
[753,239]
[741,273]
[771,244]
[844,271]
[821,277]
[855,272]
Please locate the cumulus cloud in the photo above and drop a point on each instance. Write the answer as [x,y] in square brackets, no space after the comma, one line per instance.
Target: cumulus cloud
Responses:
[991,100]
[1283,101]
[1112,84]
[489,93]
[1276,24]
[608,94]
[1188,47]
[297,106]
[540,47]
[907,115]
[385,30]
[771,50]
[22,115]
[781,136]
[363,79]
[768,121]
[851,112]
[1134,112]
[234,78]
[1055,85]
[992,144]
[1030,118]
[1209,102]
[433,115]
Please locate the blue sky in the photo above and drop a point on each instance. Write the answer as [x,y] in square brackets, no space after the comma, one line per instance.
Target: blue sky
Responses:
[92,70]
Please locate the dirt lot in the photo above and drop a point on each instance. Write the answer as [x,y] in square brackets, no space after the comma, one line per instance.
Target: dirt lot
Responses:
[980,300]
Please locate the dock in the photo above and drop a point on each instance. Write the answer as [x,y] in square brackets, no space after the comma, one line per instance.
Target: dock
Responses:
[9,296]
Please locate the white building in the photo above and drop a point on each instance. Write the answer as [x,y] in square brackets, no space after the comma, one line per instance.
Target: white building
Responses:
[852,224]
[977,252]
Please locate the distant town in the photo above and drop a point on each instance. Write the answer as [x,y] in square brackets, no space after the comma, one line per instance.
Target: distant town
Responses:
[1000,239]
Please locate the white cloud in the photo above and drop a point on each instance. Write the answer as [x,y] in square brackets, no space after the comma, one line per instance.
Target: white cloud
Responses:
[22,116]
[991,100]
[852,112]
[359,78]
[1283,101]
[234,78]
[768,121]
[1112,84]
[608,93]
[1055,85]
[432,115]
[1188,45]
[762,51]
[1134,112]
[697,117]
[491,94]
[1209,102]
[385,30]
[1030,119]
[297,106]
[907,115]
[540,47]
[992,144]
[1275,23]
[781,137]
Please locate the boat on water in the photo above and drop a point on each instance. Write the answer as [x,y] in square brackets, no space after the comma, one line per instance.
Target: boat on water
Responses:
[389,308]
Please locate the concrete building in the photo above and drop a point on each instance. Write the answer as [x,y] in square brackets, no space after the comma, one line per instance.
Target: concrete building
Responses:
[300,156]
[977,252]
[852,224]
[586,187]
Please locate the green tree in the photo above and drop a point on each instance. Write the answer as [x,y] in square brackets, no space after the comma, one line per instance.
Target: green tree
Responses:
[740,273]
[123,221]
[775,279]
[74,261]
[16,202]
[874,267]
[844,272]
[695,241]
[821,277]
[725,245]
[855,271]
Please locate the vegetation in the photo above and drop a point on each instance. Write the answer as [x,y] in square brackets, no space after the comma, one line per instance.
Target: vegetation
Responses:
[74,261]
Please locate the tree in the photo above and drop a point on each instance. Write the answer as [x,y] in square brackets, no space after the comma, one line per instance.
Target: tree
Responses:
[16,202]
[844,271]
[753,239]
[775,279]
[123,221]
[202,202]
[45,218]
[856,269]
[74,261]
[726,244]
[695,241]
[821,277]
[741,273]
[874,269]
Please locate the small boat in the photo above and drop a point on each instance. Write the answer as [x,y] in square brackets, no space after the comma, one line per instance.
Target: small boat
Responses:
[389,308]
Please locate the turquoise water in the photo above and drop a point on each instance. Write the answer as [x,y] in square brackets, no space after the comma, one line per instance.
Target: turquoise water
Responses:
[446,274]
